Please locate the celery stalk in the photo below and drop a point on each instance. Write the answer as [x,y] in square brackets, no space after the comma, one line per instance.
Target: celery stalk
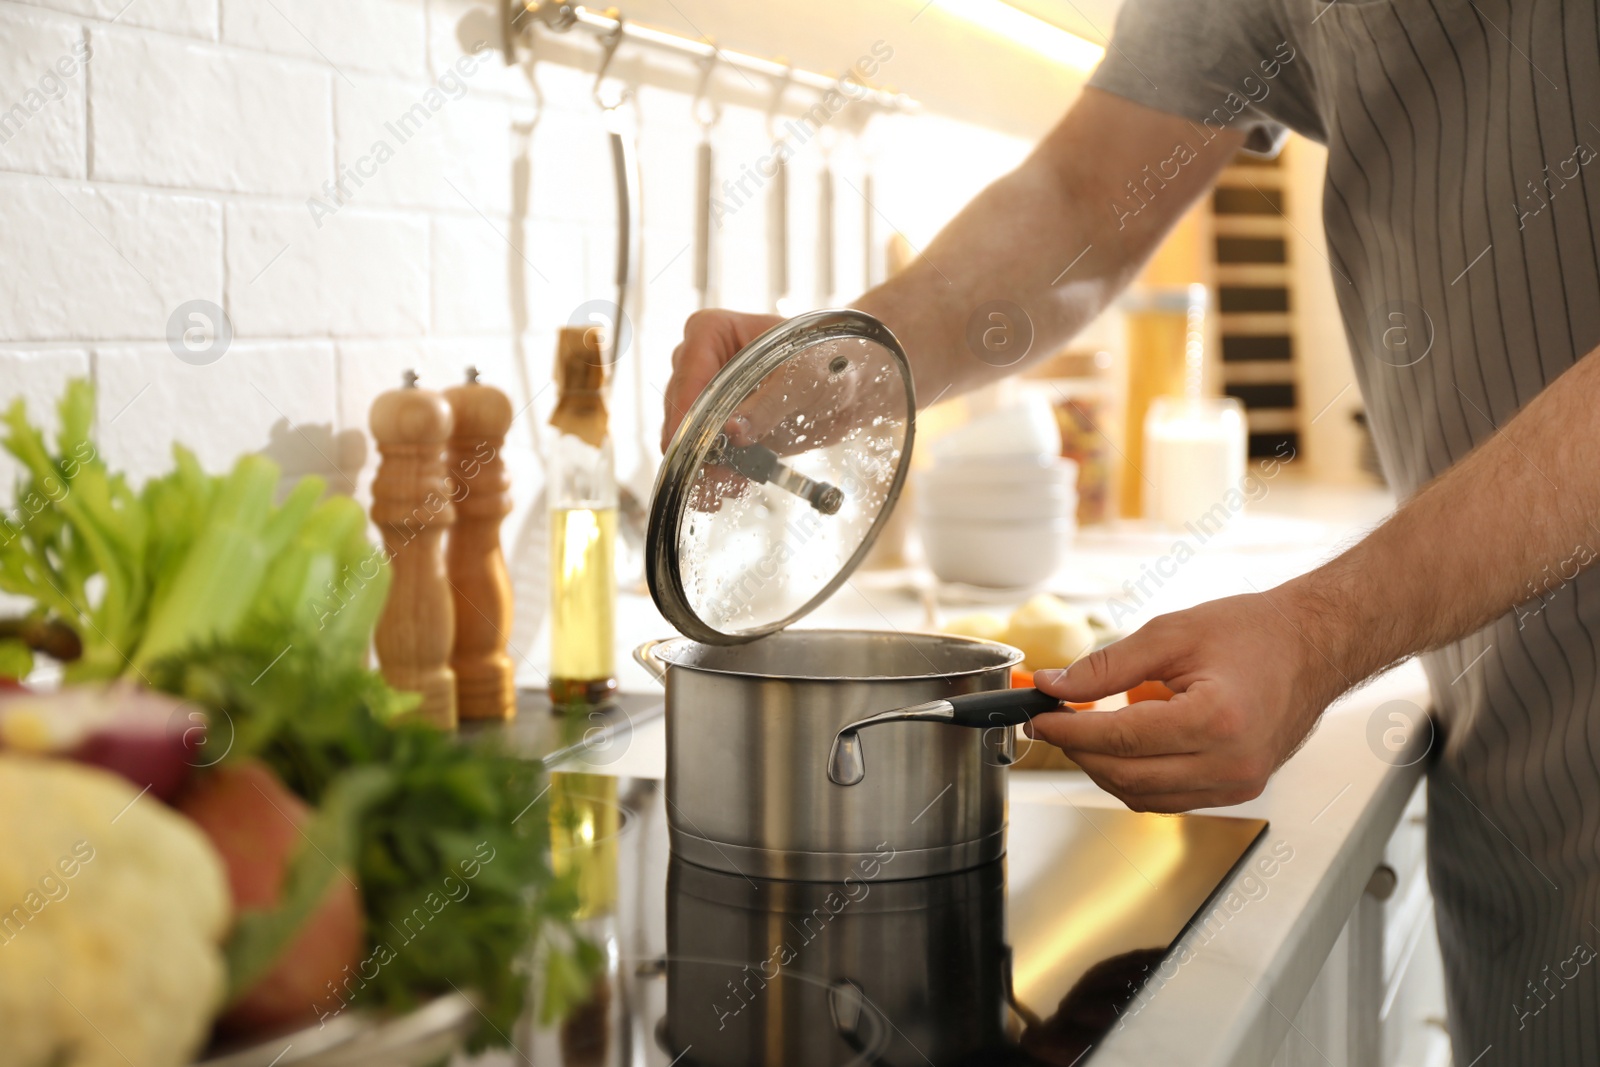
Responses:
[222,573]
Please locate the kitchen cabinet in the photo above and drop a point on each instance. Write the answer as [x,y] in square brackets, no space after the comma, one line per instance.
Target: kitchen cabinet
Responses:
[1379,999]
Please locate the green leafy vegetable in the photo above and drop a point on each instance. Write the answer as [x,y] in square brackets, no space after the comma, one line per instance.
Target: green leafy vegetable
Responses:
[16,658]
[190,558]
[263,612]
[452,843]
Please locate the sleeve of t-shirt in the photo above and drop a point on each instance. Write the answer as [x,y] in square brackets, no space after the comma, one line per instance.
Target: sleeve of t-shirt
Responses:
[1222,64]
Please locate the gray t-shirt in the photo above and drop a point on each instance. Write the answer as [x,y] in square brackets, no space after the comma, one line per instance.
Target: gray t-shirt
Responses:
[1460,208]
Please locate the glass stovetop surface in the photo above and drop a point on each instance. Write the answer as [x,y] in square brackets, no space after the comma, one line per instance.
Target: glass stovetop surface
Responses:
[1034,959]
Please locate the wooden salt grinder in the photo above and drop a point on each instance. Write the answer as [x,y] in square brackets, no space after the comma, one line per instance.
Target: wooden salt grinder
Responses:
[411,507]
[481,489]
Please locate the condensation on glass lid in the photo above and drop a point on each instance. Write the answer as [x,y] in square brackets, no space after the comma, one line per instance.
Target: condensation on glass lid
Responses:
[762,536]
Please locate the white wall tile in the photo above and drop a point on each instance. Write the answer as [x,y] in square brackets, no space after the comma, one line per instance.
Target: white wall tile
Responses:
[192,18]
[361,274]
[179,113]
[349,35]
[417,144]
[42,95]
[272,397]
[92,263]
[474,266]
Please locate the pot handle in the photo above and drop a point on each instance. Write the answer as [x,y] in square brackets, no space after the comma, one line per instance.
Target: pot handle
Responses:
[645,656]
[995,712]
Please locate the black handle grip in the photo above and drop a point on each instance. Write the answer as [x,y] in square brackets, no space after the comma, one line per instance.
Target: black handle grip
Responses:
[1002,707]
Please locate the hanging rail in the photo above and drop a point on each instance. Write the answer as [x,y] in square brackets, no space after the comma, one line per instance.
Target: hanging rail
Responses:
[561,17]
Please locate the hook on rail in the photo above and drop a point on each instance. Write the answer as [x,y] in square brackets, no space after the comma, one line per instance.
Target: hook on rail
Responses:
[608,50]
[707,112]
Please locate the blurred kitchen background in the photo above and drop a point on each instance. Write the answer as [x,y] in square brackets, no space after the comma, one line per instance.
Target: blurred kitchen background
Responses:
[368,186]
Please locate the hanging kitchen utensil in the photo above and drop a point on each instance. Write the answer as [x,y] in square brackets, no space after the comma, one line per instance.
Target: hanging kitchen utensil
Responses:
[771,493]
[625,169]
[825,221]
[707,113]
[869,222]
[621,135]
[778,203]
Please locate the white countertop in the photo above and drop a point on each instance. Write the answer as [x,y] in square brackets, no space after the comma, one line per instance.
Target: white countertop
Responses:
[1331,808]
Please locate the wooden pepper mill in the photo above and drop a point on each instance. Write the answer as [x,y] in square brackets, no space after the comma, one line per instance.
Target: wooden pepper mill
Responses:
[411,507]
[481,489]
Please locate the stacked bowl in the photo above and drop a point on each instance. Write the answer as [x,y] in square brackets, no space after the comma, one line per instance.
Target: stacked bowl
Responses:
[998,506]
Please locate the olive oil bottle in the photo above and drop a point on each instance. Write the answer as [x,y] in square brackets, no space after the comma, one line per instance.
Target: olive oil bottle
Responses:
[583,528]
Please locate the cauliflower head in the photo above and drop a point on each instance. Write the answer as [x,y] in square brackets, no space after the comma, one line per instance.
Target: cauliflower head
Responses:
[113,908]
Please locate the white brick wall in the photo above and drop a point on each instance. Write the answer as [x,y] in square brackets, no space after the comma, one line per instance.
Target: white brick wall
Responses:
[361,274]
[187,115]
[349,35]
[42,84]
[97,262]
[226,150]
[276,396]
[192,18]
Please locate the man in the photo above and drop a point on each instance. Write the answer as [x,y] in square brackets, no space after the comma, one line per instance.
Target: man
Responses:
[1461,198]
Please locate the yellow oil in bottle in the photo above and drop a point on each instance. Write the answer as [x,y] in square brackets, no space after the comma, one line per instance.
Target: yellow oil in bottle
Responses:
[583,582]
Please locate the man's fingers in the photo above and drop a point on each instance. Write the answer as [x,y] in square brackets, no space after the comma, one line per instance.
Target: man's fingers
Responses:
[1178,803]
[1114,669]
[1150,728]
[710,339]
[1131,780]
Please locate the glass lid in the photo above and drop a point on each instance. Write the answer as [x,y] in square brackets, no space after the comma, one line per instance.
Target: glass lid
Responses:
[780,477]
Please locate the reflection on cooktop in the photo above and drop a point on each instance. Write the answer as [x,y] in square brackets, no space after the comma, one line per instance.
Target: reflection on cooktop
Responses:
[1030,960]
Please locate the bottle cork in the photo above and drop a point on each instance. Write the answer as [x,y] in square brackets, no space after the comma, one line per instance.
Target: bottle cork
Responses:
[580,374]
[479,579]
[411,508]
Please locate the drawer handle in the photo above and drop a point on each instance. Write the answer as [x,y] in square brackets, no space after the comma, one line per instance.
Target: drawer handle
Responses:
[1381,885]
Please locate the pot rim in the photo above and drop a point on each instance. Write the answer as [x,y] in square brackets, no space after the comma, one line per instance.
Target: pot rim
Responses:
[650,650]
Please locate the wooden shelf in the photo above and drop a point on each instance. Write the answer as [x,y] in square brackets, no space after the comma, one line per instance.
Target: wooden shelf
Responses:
[1259,372]
[1271,274]
[1272,420]
[1256,323]
[1249,226]
[1245,177]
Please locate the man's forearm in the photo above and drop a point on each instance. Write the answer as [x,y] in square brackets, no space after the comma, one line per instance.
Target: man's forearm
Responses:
[1512,521]
[1048,238]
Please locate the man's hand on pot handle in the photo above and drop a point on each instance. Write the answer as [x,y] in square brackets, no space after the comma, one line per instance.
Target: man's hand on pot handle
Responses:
[1248,687]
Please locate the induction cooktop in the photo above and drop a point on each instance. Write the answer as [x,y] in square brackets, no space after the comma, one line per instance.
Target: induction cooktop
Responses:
[1033,959]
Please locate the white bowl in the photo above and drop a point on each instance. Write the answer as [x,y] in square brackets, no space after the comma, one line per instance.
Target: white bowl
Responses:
[1013,554]
[996,503]
[1013,471]
[1029,426]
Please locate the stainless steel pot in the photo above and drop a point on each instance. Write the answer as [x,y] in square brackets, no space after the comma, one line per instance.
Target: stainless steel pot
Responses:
[786,973]
[749,732]
[770,494]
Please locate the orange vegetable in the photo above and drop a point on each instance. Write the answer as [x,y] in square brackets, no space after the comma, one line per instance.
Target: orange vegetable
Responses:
[1021,679]
[1149,690]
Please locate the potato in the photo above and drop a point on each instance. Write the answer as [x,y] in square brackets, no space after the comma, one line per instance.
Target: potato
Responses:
[1050,633]
[982,625]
